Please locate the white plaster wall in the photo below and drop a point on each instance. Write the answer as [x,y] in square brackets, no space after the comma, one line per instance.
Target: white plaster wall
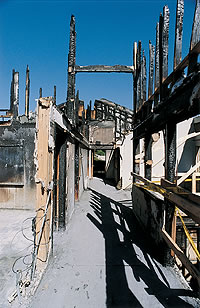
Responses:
[158,155]
[185,150]
[126,161]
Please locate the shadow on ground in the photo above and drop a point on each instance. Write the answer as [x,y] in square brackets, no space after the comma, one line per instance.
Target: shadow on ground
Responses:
[119,251]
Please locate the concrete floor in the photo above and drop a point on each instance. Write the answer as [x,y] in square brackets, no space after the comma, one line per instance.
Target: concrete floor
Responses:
[102,260]
[12,246]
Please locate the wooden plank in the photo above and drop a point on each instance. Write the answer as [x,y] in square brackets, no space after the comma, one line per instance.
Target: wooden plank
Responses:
[178,33]
[44,176]
[180,254]
[104,69]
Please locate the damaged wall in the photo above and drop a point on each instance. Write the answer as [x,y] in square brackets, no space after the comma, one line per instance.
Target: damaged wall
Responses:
[17,177]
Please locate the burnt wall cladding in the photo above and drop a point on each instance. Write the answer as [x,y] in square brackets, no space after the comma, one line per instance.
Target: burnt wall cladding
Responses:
[22,135]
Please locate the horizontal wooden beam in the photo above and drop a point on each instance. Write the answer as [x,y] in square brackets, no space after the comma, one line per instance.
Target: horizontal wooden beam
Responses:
[189,207]
[104,69]
[180,191]
[182,257]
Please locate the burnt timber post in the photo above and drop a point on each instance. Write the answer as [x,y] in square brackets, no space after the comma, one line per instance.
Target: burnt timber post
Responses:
[62,185]
[27,92]
[147,156]
[15,102]
[71,72]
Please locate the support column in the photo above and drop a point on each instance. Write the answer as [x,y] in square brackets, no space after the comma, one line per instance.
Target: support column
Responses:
[170,165]
[62,186]
[14,94]
[148,157]
[90,164]
[27,92]
[70,108]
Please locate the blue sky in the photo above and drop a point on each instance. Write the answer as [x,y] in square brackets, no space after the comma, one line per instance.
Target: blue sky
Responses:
[37,33]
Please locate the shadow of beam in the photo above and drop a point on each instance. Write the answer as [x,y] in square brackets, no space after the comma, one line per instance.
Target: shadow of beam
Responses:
[120,252]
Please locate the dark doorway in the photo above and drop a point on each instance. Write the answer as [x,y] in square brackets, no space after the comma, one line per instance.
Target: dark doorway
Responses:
[99,164]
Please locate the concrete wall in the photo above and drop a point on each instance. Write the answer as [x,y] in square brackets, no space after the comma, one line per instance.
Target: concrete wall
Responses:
[70,181]
[17,175]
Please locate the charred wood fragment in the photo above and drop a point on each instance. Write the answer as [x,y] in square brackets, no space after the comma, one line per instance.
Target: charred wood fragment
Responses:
[178,33]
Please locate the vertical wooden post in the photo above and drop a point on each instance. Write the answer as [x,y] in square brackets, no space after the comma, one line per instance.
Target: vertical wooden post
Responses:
[194,185]
[27,91]
[44,177]
[151,68]
[76,171]
[178,32]
[54,95]
[170,165]
[194,38]
[62,185]
[70,108]
[148,157]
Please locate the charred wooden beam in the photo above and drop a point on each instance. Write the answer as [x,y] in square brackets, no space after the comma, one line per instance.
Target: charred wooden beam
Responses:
[196,26]
[194,38]
[40,93]
[62,186]
[12,91]
[178,33]
[165,40]
[77,108]
[76,162]
[147,156]
[151,68]
[182,104]
[15,102]
[170,151]
[157,70]
[54,95]
[170,164]
[134,77]
[156,84]
[139,73]
[144,79]
[27,92]
[104,69]
[71,71]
